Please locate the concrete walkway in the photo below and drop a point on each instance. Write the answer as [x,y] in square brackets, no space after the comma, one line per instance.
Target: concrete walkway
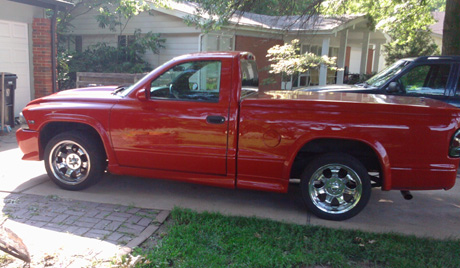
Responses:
[69,233]
[121,211]
[62,232]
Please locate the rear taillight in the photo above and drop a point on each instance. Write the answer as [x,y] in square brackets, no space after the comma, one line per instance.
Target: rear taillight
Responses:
[454,148]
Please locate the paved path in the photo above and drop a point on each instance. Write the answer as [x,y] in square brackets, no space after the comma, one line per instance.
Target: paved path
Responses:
[62,232]
[109,229]
[116,224]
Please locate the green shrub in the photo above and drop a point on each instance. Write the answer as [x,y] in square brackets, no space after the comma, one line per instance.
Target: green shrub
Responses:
[105,58]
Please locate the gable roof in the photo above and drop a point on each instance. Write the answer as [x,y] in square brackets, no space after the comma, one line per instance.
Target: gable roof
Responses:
[439,25]
[294,23]
[279,23]
[51,4]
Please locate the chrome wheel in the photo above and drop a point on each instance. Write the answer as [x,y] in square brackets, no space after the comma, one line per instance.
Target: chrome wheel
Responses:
[335,188]
[69,162]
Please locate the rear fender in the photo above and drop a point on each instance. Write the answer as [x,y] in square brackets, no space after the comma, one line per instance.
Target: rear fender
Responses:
[376,146]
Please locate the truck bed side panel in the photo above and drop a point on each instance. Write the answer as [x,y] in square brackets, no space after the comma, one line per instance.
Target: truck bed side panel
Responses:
[273,131]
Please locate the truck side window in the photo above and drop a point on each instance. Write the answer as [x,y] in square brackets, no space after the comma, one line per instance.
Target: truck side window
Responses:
[249,78]
[426,79]
[457,91]
[190,81]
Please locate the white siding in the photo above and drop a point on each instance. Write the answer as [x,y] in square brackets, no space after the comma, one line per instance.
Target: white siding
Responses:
[355,60]
[180,38]
[14,58]
[16,47]
[89,40]
[12,11]
[437,40]
[176,45]
[382,63]
[158,23]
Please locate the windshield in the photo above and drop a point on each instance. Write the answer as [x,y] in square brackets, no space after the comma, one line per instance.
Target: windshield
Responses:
[387,73]
[144,79]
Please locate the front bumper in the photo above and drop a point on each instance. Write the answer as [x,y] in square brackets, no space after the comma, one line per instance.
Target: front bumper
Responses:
[28,141]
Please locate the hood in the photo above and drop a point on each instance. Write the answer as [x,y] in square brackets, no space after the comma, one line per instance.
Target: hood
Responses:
[90,94]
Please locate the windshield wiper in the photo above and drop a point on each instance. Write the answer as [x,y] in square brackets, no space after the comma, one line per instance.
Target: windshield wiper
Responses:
[118,90]
[363,85]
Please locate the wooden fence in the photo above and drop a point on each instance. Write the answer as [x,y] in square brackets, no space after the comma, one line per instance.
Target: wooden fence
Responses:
[85,79]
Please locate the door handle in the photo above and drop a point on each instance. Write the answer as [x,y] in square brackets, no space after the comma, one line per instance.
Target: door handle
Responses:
[215,119]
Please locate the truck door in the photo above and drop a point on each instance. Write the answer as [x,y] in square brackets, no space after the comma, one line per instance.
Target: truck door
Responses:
[183,126]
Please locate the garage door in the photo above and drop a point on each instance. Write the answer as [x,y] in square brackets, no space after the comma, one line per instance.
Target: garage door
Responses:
[14,58]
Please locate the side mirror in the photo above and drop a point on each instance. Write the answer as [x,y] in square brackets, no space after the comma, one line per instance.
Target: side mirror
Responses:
[142,94]
[394,87]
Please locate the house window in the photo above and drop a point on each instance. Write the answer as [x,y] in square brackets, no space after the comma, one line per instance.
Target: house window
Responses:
[72,43]
[214,42]
[78,43]
[334,52]
[311,48]
[125,40]
[310,78]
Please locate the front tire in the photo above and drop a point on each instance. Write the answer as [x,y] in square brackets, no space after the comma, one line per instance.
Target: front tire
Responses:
[74,160]
[335,186]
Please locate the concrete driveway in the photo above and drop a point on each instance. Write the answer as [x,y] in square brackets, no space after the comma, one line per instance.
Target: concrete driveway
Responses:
[430,214]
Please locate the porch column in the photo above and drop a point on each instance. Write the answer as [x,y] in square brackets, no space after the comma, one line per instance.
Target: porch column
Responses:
[376,57]
[364,52]
[323,68]
[341,58]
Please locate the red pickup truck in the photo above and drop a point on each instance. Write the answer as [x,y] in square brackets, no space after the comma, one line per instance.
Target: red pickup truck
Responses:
[198,118]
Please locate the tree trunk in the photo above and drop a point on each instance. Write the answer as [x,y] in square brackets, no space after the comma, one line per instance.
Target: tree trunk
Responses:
[451,31]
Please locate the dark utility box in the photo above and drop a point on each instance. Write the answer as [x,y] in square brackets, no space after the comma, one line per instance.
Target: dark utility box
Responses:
[8,89]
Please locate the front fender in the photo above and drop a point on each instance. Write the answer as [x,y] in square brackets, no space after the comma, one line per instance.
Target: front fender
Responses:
[99,127]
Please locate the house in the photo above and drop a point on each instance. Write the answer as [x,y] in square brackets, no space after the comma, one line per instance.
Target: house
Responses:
[348,38]
[26,46]
[437,28]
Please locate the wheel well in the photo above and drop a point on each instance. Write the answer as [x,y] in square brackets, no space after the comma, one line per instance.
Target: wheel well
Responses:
[52,129]
[361,151]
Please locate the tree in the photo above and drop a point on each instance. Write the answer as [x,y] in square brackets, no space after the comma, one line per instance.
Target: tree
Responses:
[405,22]
[287,59]
[422,44]
[112,13]
[213,14]
[451,30]
[102,57]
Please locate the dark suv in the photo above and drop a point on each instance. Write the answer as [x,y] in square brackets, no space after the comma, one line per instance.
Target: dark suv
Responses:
[433,77]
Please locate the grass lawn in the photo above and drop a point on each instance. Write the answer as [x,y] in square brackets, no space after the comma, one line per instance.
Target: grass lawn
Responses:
[213,240]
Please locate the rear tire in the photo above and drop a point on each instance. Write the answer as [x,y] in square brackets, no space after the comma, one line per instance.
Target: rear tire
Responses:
[74,160]
[335,186]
